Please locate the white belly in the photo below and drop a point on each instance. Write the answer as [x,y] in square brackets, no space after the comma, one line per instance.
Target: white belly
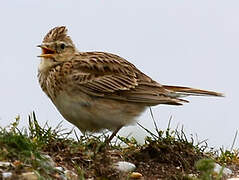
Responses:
[94,114]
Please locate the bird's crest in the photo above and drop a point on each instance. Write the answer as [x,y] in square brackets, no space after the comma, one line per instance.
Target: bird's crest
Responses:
[57,33]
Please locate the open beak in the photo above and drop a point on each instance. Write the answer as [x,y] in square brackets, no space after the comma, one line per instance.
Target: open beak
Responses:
[46,52]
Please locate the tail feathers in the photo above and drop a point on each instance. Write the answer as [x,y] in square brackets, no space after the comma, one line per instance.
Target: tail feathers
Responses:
[177,91]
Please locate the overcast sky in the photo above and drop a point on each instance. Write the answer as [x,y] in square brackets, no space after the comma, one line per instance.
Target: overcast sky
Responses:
[190,43]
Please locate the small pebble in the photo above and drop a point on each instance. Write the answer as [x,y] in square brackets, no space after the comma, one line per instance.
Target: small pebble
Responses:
[49,160]
[135,175]
[59,168]
[6,175]
[124,166]
[192,175]
[226,171]
[4,164]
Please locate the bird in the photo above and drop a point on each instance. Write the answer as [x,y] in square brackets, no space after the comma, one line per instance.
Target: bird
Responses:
[100,90]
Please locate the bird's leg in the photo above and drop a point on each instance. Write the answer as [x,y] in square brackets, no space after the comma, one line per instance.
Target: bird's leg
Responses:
[107,141]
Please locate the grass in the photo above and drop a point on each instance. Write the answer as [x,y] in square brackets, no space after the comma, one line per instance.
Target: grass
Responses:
[168,154]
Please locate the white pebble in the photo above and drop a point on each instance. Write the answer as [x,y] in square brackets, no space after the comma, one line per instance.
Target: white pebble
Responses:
[192,175]
[6,174]
[4,164]
[124,166]
[59,168]
[226,171]
[49,160]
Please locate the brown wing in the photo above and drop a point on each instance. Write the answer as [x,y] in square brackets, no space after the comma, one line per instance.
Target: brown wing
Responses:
[110,76]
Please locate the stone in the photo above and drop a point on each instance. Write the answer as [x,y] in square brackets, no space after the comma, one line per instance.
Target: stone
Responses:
[124,166]
[6,175]
[59,168]
[135,175]
[5,164]
[226,171]
[49,161]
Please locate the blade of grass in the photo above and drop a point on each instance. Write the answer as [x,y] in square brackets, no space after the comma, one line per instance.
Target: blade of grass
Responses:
[234,140]
[152,116]
[148,131]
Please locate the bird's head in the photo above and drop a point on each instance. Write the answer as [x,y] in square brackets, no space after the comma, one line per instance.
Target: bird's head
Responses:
[57,46]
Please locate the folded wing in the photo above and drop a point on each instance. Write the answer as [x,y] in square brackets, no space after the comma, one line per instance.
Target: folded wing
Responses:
[110,76]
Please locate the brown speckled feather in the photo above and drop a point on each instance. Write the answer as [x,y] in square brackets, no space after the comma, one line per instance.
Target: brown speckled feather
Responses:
[110,76]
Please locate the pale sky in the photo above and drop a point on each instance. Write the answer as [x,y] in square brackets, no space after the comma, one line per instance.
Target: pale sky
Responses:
[189,43]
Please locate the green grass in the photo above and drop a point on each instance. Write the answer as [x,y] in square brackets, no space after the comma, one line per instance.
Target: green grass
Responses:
[168,154]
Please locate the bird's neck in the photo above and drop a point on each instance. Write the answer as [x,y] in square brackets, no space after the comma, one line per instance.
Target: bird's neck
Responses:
[45,65]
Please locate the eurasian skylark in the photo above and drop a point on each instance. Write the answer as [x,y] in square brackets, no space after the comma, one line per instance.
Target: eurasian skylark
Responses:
[99,90]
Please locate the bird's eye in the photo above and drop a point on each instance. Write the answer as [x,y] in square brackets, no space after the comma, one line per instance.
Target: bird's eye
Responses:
[63,46]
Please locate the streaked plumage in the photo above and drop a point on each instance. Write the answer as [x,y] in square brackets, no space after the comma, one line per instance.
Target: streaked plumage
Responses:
[99,90]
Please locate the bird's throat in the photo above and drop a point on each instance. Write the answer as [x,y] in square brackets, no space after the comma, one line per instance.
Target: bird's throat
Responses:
[46,64]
